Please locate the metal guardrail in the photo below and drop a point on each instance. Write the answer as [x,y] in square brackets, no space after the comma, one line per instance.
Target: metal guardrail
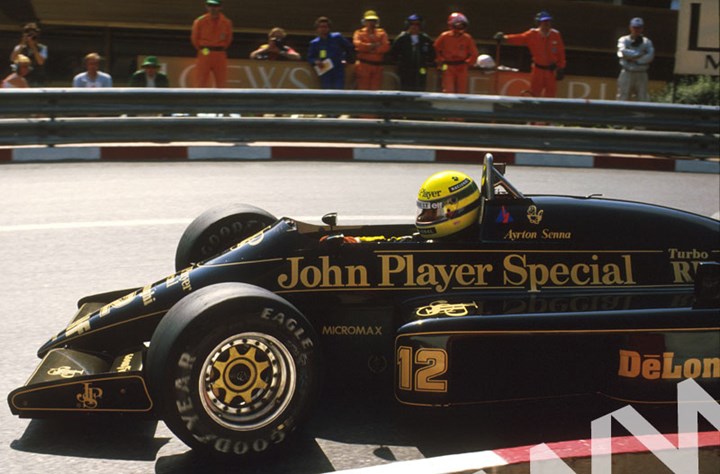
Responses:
[64,116]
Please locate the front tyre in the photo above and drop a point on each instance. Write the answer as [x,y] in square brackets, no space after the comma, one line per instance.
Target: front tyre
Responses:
[218,229]
[233,369]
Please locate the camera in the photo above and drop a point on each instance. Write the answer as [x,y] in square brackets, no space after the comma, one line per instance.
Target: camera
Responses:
[279,43]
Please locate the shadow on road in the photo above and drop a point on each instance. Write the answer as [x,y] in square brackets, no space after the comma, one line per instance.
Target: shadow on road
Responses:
[349,424]
[92,438]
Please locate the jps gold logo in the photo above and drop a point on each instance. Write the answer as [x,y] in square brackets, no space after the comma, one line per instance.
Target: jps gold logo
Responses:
[88,398]
[65,372]
[533,215]
[443,307]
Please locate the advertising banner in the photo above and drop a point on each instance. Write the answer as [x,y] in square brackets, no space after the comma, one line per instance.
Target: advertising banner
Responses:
[254,74]
[698,38]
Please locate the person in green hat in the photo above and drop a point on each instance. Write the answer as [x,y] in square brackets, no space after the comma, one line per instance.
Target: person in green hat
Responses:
[149,75]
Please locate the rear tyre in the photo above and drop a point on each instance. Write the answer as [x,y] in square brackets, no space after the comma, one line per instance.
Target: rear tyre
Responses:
[233,369]
[218,229]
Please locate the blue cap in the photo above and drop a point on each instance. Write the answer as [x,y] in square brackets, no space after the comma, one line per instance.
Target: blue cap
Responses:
[543,16]
[414,17]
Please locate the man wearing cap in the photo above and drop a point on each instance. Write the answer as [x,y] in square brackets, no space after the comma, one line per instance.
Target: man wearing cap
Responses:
[149,75]
[636,52]
[548,54]
[371,44]
[414,52]
[211,36]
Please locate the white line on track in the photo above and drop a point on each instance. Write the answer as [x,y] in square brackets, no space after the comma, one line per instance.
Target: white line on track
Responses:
[179,221]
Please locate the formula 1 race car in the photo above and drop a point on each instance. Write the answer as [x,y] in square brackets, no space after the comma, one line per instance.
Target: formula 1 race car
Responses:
[548,296]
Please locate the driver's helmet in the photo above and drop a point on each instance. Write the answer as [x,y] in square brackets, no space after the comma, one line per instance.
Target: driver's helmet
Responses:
[448,202]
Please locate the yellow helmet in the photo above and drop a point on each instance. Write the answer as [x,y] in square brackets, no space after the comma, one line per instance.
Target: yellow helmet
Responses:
[448,202]
[371,15]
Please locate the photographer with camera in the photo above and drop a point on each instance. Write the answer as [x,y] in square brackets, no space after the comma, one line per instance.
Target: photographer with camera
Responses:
[636,52]
[31,48]
[276,49]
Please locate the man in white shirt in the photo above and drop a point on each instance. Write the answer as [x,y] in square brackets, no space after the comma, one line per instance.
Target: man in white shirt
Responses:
[636,52]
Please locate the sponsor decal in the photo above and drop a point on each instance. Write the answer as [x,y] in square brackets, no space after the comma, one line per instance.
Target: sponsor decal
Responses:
[544,234]
[443,307]
[88,398]
[183,278]
[665,366]
[684,263]
[148,295]
[352,331]
[504,216]
[126,364]
[408,271]
[424,194]
[65,372]
[533,215]
[78,327]
[460,185]
[253,240]
[118,303]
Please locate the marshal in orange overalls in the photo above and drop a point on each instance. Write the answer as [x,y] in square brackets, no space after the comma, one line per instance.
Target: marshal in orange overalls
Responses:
[455,51]
[211,37]
[548,55]
[371,47]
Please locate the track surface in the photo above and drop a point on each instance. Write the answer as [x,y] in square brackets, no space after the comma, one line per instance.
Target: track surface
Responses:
[72,229]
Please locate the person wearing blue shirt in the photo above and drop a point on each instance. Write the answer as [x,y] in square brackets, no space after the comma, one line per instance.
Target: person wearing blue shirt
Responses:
[93,76]
[328,53]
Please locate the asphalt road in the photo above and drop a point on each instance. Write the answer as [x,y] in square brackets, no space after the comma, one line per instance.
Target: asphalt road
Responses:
[72,229]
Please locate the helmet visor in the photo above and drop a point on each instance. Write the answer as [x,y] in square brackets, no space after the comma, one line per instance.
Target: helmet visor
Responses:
[434,211]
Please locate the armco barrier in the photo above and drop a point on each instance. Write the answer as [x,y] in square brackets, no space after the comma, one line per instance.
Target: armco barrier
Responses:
[73,116]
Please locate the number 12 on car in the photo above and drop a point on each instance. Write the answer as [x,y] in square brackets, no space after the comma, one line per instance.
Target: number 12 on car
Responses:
[421,370]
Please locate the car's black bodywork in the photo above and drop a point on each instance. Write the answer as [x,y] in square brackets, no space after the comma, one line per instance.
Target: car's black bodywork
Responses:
[551,296]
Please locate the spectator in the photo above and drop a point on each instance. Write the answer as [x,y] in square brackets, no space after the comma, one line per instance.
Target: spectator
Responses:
[37,52]
[455,51]
[276,49]
[21,68]
[548,54]
[414,52]
[149,75]
[636,52]
[93,76]
[211,36]
[371,44]
[328,53]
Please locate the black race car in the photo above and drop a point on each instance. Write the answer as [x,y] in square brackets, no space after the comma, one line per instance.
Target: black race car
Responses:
[551,296]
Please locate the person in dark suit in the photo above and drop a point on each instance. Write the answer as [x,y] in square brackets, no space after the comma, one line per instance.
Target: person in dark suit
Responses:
[149,75]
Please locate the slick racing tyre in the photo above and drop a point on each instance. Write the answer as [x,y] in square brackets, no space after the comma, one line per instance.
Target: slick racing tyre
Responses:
[217,229]
[233,369]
